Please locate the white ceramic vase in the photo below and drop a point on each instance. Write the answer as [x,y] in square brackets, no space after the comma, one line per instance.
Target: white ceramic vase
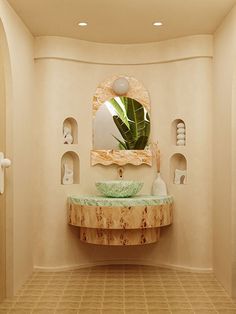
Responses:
[159,186]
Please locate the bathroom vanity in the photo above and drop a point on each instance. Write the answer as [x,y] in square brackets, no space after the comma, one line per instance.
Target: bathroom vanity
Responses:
[120,221]
[121,129]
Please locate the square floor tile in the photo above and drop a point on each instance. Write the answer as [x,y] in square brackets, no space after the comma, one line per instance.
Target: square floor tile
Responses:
[120,289]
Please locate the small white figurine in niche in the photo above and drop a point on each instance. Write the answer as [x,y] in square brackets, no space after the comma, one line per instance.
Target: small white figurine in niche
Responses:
[68,138]
[180,176]
[180,138]
[68,175]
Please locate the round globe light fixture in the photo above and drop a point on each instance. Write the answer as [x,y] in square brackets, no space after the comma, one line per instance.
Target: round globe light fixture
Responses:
[120,86]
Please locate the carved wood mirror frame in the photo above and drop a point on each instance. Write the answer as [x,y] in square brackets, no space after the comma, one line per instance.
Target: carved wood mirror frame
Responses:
[105,92]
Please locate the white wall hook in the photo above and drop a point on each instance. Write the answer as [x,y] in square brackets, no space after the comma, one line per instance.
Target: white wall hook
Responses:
[4,163]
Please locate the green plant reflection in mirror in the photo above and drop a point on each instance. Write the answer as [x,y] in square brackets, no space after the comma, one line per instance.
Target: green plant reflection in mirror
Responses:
[129,124]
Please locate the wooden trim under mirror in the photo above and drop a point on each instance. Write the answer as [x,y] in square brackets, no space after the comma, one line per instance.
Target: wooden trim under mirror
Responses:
[121,157]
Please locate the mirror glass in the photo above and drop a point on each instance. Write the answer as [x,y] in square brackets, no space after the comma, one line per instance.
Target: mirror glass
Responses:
[121,123]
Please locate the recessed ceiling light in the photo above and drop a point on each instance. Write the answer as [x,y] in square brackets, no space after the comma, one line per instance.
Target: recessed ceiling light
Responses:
[82,24]
[157,23]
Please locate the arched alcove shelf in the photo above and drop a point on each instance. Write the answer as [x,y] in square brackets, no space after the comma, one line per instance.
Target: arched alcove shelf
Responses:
[70,168]
[70,131]
[178,132]
[178,169]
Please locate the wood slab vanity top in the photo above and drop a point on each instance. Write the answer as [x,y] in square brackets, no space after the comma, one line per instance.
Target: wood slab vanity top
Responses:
[128,201]
[120,221]
[120,213]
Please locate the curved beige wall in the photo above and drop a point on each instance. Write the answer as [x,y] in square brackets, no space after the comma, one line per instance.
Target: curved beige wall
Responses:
[177,74]
[224,161]
[89,52]
[19,140]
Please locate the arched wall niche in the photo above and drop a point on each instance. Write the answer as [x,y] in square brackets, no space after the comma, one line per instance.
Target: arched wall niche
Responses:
[178,169]
[70,170]
[70,131]
[178,132]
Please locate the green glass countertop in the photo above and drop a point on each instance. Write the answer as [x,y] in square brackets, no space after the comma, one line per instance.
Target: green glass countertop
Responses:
[146,200]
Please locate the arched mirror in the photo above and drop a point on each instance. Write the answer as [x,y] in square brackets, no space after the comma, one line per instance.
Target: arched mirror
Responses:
[121,125]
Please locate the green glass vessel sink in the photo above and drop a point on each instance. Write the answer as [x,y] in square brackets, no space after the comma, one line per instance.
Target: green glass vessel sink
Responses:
[119,188]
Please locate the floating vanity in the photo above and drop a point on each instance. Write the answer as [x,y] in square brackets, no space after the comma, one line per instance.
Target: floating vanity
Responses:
[120,221]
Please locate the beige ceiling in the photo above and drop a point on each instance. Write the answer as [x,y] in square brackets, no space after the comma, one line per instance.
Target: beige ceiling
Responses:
[122,21]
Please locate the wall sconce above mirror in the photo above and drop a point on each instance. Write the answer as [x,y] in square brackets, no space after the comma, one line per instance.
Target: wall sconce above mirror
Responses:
[121,123]
[120,86]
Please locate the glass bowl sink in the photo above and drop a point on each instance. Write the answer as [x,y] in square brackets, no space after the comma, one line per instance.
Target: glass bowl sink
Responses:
[119,188]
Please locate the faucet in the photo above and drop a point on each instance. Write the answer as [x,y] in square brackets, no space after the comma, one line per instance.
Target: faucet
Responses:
[120,171]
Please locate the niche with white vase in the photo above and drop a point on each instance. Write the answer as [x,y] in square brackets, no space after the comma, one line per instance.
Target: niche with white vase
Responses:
[70,168]
[178,169]
[178,132]
[70,131]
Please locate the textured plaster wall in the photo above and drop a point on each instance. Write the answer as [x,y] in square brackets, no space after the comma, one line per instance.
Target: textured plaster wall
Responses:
[178,76]
[20,138]
[224,155]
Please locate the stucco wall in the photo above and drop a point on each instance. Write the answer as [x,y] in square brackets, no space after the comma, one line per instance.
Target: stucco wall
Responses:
[20,137]
[224,204]
[178,76]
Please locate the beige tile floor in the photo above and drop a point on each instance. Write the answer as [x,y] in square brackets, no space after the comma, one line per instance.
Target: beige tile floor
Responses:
[120,289]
